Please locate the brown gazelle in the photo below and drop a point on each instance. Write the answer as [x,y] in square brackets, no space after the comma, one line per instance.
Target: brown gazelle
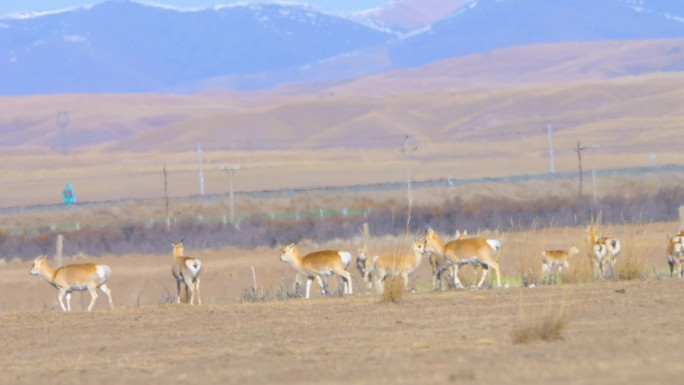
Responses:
[390,265]
[440,264]
[675,254]
[459,252]
[603,252]
[557,258]
[76,277]
[187,271]
[318,265]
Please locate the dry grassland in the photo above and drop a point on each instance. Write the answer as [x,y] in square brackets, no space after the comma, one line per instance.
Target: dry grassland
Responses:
[610,332]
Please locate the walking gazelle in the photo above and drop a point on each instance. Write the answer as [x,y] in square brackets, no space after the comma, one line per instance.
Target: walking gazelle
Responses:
[76,277]
[318,265]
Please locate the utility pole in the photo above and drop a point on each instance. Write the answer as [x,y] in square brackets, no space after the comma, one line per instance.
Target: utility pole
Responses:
[231,171]
[201,174]
[550,138]
[579,162]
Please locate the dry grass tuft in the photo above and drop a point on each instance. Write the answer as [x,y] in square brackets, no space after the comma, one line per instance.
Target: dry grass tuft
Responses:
[631,267]
[546,328]
[393,290]
[580,271]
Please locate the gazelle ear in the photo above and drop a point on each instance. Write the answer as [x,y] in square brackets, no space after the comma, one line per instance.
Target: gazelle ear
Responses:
[181,241]
[43,257]
[465,233]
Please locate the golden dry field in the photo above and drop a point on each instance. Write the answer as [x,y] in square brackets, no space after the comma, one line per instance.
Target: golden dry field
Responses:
[624,331]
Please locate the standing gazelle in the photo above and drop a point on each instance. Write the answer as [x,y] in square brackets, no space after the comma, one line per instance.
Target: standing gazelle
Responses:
[318,265]
[604,252]
[390,265]
[557,258]
[76,277]
[365,266]
[186,270]
[459,252]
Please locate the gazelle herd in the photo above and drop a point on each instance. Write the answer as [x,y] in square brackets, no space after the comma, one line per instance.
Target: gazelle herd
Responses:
[444,257]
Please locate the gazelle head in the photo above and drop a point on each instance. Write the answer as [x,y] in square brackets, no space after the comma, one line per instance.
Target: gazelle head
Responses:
[177,247]
[419,246]
[362,253]
[432,242]
[288,253]
[38,264]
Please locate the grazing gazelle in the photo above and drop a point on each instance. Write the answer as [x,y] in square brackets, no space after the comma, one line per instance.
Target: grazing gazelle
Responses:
[459,252]
[605,251]
[318,265]
[559,258]
[76,277]
[390,265]
[365,266]
[186,270]
[675,254]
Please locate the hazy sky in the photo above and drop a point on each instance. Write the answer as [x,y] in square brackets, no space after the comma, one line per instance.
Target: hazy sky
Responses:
[12,6]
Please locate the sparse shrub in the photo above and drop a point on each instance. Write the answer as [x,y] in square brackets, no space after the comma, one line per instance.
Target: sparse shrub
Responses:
[250,294]
[545,328]
[287,291]
[393,290]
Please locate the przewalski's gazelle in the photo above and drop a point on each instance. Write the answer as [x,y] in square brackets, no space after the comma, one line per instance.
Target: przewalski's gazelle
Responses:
[390,265]
[441,264]
[604,252]
[675,254]
[187,271]
[557,258]
[365,266]
[76,277]
[459,252]
[318,265]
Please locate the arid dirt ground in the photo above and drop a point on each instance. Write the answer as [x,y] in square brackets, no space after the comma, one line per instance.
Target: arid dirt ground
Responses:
[616,332]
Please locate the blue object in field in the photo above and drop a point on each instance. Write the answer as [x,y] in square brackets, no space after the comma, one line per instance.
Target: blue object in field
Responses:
[68,194]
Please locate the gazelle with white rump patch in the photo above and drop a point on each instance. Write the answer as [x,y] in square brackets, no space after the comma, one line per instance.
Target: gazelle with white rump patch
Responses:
[76,277]
[603,251]
[390,265]
[187,271]
[459,252]
[318,265]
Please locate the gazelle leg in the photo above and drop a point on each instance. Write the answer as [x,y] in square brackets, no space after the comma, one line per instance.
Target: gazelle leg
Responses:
[308,287]
[178,286]
[93,296]
[189,287]
[321,284]
[454,271]
[485,271]
[197,285]
[106,290]
[347,282]
[68,298]
[60,297]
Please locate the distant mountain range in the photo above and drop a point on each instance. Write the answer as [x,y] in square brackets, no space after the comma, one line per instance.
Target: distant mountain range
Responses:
[125,46]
